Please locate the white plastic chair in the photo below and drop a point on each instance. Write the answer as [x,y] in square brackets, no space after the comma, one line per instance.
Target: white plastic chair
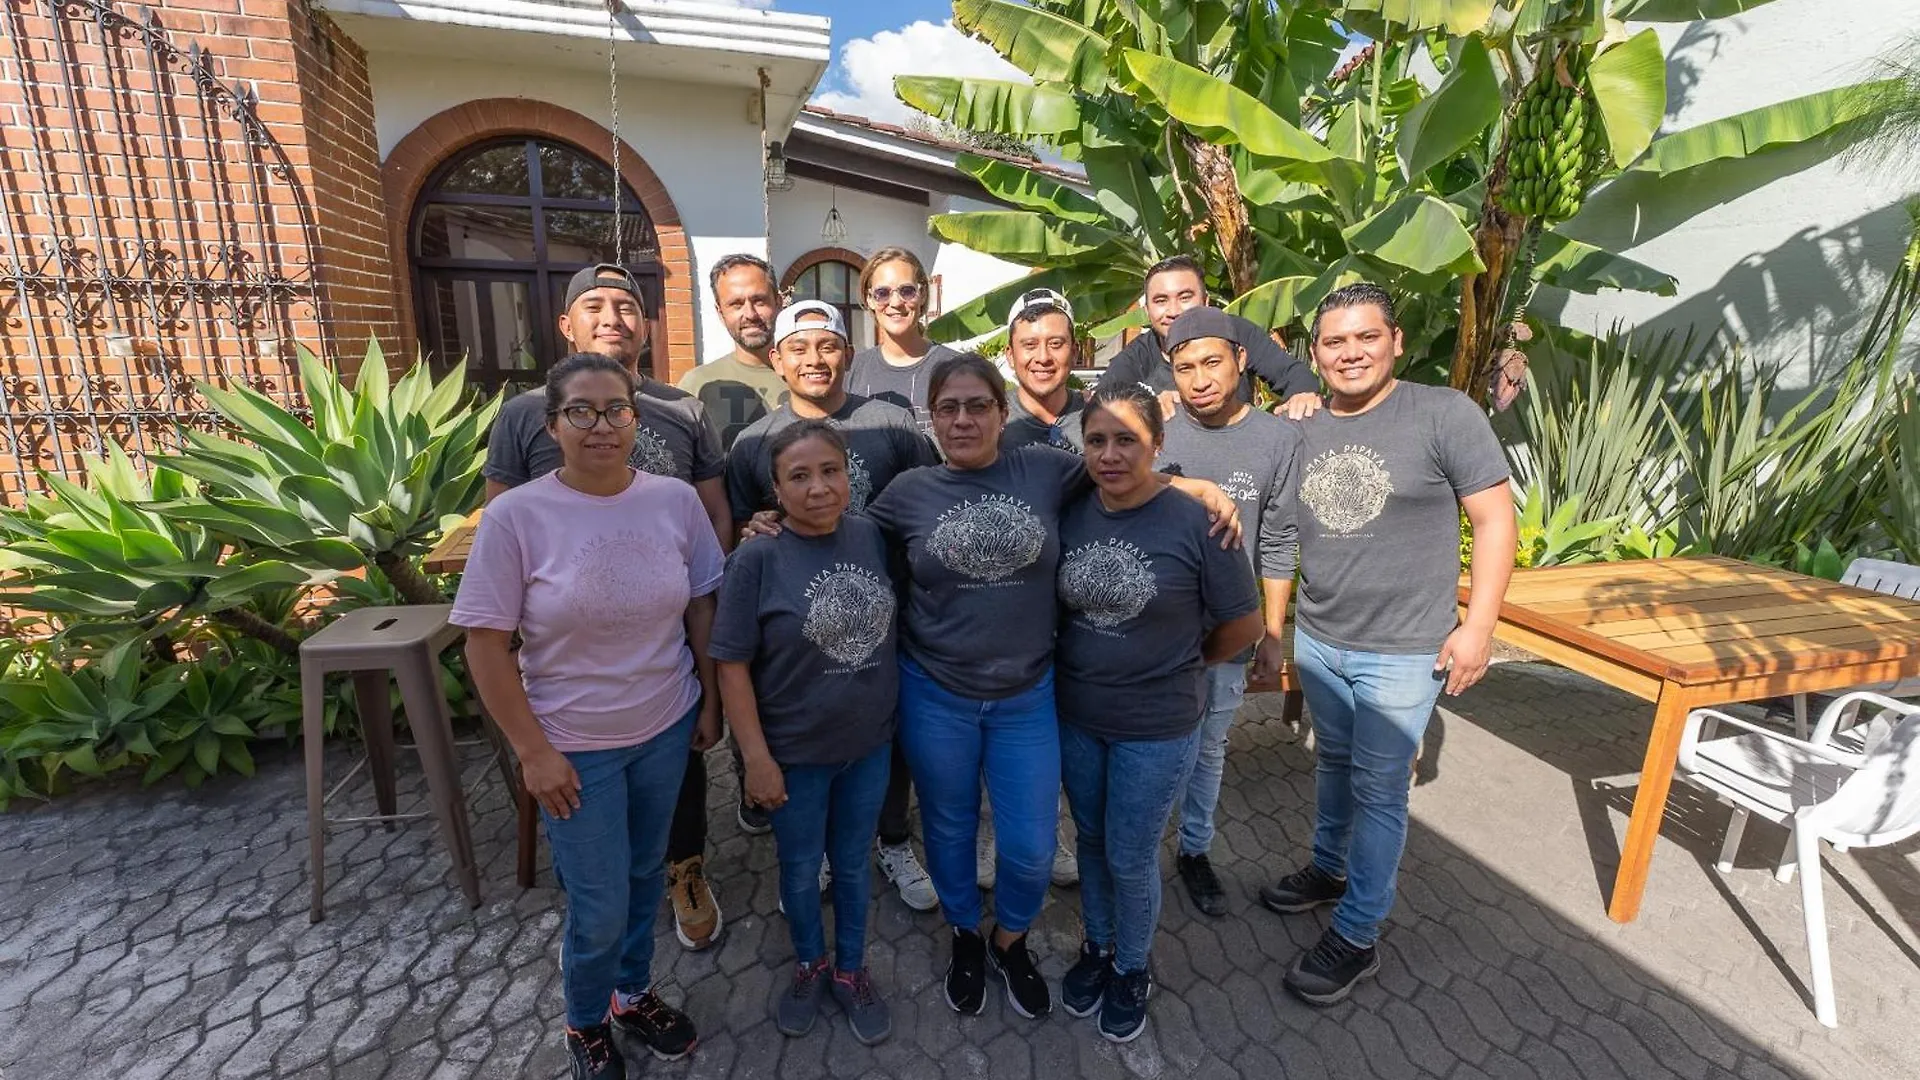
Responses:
[1858,786]
[1881,576]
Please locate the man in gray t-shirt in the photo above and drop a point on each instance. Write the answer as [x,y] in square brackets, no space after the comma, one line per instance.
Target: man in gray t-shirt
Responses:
[1383,474]
[1214,434]
[672,438]
[1041,345]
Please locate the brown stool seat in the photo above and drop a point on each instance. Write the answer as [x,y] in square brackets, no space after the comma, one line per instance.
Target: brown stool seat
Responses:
[373,644]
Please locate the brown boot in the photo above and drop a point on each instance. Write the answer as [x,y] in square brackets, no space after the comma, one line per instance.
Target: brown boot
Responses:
[696,915]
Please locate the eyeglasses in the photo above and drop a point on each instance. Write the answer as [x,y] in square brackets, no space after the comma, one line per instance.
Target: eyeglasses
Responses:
[619,415]
[948,408]
[882,294]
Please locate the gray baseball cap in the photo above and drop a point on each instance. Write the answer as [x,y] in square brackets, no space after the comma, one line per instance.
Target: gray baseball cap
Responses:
[1201,322]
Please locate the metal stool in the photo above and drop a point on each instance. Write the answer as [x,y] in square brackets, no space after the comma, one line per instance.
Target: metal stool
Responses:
[369,643]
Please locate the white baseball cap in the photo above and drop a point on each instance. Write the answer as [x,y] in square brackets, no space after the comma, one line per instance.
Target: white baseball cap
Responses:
[788,323]
[1039,298]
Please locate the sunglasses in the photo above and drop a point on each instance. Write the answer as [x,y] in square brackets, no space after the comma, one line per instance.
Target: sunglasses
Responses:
[882,294]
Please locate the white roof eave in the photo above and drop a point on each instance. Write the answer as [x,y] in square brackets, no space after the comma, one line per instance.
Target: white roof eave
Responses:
[880,142]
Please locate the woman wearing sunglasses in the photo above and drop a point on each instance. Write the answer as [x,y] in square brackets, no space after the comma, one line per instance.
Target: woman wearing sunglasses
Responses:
[981,535]
[608,575]
[893,286]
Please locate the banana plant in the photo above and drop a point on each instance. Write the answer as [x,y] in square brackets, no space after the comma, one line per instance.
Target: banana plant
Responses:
[384,467]
[104,561]
[1222,129]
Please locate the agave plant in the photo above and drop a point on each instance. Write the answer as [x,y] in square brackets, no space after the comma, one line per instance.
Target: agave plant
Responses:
[384,466]
[1221,127]
[103,560]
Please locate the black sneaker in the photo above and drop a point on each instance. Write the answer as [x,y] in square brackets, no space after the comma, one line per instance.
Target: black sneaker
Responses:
[594,1055]
[1326,973]
[867,1016]
[1203,885]
[800,1006]
[664,1030]
[1303,890]
[1086,980]
[753,819]
[1123,1015]
[967,973]
[1026,990]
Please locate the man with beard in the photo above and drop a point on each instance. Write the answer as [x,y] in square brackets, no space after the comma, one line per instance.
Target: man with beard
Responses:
[673,438]
[1215,435]
[742,386]
[883,441]
[1040,349]
[1174,286]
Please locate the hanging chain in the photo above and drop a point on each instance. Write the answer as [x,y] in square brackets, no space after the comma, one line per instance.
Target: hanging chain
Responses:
[613,116]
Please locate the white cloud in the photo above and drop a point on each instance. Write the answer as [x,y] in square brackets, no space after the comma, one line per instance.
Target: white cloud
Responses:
[868,65]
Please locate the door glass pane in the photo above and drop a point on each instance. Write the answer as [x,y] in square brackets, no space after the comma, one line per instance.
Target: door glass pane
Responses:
[490,233]
[490,323]
[501,170]
[579,236]
[567,174]
[833,283]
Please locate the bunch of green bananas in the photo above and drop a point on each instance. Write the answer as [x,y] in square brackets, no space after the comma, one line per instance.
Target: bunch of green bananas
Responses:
[1554,144]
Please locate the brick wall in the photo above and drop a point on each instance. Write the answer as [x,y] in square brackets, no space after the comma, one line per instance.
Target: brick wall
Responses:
[149,237]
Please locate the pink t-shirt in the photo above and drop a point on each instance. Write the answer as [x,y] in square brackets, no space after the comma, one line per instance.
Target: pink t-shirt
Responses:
[598,588]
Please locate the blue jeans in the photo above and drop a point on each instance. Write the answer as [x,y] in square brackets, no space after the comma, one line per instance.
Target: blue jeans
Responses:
[831,811]
[951,742]
[1226,689]
[1369,712]
[1122,792]
[610,860]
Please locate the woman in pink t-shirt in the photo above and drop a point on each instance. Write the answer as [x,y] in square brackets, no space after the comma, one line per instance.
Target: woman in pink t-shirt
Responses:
[608,575]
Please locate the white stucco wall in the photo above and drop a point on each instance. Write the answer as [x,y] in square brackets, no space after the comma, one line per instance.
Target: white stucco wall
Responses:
[1789,251]
[875,222]
[697,139]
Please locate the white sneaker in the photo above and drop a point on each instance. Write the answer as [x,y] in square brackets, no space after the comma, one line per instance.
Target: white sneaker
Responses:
[903,869]
[1066,865]
[983,855]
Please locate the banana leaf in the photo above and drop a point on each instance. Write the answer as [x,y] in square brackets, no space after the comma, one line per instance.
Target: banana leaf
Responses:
[1629,83]
[1458,112]
[1784,123]
[1044,45]
[1004,108]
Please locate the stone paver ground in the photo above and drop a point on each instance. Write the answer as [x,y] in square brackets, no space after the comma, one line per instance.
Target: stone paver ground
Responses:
[164,933]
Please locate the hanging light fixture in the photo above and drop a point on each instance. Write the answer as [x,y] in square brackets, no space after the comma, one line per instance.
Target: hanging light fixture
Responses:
[777,178]
[834,229]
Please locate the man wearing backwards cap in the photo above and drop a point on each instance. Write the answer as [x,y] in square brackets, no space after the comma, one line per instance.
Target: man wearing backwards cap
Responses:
[883,441]
[1214,435]
[673,437]
[1040,349]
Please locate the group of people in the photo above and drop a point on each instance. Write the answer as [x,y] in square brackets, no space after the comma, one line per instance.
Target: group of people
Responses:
[889,574]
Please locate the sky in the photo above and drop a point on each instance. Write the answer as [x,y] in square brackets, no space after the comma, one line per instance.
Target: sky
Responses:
[874,41]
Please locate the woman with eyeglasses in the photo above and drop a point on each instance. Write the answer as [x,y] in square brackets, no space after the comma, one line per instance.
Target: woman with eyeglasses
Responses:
[608,575]
[981,534]
[1147,602]
[893,286]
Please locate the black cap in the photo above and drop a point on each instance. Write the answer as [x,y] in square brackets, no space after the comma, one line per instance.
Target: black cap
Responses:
[604,276]
[1201,322]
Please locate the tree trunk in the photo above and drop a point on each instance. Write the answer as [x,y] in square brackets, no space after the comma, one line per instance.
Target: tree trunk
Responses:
[1226,210]
[252,625]
[407,580]
[1483,298]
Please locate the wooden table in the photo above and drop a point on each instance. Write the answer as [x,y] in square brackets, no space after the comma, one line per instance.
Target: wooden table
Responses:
[449,556]
[1687,633]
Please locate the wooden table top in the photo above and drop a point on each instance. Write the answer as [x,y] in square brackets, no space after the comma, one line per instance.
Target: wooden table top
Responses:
[449,556]
[1703,620]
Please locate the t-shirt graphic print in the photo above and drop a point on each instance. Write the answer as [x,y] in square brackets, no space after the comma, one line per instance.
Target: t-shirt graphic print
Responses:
[1346,489]
[859,480]
[849,614]
[988,539]
[616,583]
[1107,583]
[651,455]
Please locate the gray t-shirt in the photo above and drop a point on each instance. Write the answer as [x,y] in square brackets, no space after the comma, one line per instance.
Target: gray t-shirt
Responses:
[814,617]
[1139,591]
[1252,461]
[870,375]
[672,437]
[1025,429]
[981,549]
[882,443]
[1379,517]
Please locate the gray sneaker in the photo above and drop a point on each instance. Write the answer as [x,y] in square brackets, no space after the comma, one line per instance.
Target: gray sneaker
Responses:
[800,1005]
[868,1017]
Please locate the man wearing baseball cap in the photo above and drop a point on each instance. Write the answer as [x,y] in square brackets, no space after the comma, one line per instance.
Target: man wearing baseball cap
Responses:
[883,440]
[606,313]
[1040,349]
[1215,435]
